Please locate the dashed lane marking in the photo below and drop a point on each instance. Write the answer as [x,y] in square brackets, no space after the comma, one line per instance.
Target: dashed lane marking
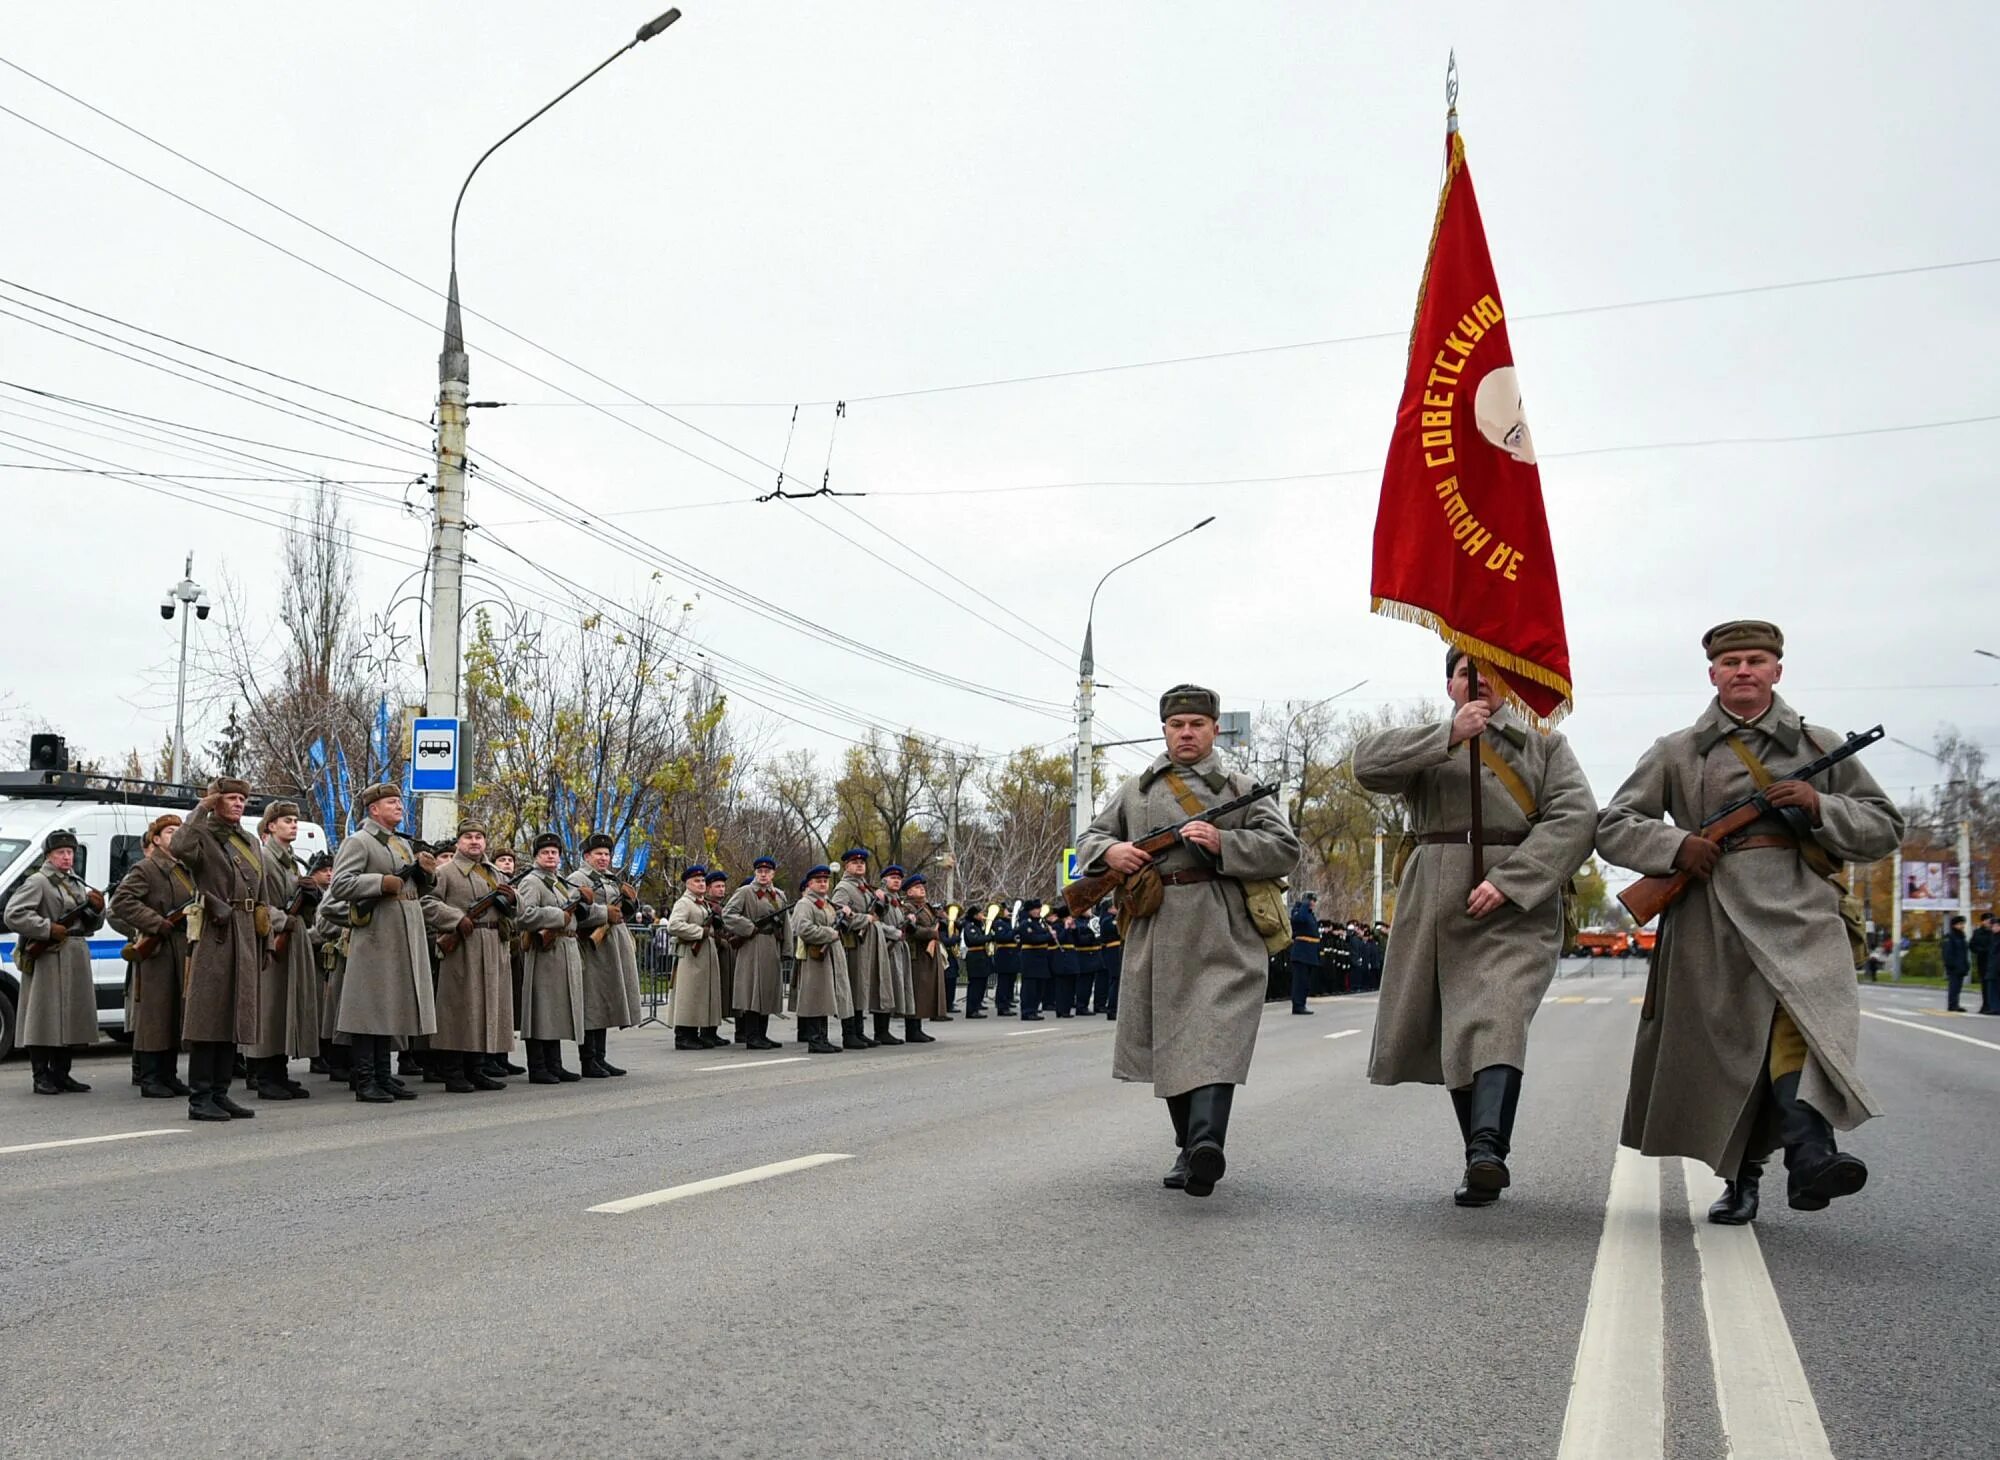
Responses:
[130,1135]
[717,1183]
[1571,999]
[790,1059]
[1342,1033]
[1597,1001]
[1017,1033]
[1617,1397]
[1930,1029]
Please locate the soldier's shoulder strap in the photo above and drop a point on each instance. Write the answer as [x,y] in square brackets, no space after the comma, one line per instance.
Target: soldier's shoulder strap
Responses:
[1816,856]
[1508,777]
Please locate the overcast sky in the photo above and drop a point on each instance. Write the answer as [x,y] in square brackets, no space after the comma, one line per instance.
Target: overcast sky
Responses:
[781,202]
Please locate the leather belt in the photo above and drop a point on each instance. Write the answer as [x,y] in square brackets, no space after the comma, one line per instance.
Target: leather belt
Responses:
[245,904]
[1188,878]
[1741,843]
[1464,839]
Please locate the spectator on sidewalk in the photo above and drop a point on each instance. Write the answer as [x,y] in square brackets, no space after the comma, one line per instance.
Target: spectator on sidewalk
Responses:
[1985,949]
[1957,962]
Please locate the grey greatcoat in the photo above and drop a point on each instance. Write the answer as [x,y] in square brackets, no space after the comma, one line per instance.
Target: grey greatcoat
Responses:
[1457,993]
[58,995]
[387,989]
[551,978]
[1195,972]
[821,970]
[330,934]
[288,1002]
[926,945]
[153,891]
[759,980]
[475,987]
[610,963]
[697,1000]
[1765,929]
[866,944]
[220,995]
[893,991]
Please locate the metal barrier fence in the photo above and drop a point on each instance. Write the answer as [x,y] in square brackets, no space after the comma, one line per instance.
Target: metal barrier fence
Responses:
[656,975]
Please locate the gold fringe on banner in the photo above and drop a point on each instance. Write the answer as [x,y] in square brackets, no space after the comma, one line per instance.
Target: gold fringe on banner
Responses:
[1488,656]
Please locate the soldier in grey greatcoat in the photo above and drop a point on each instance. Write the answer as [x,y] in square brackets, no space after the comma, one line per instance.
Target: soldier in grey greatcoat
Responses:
[893,997]
[697,999]
[330,932]
[1194,969]
[821,970]
[288,1011]
[716,891]
[150,904]
[1471,963]
[226,930]
[551,1006]
[923,930]
[469,907]
[610,961]
[1748,1039]
[387,990]
[53,907]
[865,944]
[759,987]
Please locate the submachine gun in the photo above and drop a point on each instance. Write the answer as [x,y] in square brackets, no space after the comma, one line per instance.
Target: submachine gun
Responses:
[1085,893]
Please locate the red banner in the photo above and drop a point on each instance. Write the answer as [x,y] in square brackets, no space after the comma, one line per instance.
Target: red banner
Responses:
[1461,539]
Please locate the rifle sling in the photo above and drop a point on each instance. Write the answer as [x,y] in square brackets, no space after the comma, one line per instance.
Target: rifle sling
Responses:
[1508,777]
[1815,855]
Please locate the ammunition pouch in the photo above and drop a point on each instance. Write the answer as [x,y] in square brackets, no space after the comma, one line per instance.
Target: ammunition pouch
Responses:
[263,917]
[1139,897]
[1265,899]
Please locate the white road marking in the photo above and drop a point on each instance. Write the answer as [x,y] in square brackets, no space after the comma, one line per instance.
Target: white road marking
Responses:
[1017,1033]
[717,1183]
[1342,1033]
[1597,1001]
[1767,1405]
[1929,1029]
[790,1059]
[130,1135]
[1617,1396]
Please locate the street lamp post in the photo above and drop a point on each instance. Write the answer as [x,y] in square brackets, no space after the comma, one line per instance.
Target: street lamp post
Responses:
[441,659]
[190,599]
[1084,804]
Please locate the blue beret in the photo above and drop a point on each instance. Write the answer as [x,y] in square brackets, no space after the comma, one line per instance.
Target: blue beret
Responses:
[694,871]
[764,862]
[852,852]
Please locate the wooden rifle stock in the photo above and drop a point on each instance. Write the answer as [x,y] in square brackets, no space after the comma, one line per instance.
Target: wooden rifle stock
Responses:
[548,936]
[306,895]
[1085,893]
[92,904]
[147,944]
[448,942]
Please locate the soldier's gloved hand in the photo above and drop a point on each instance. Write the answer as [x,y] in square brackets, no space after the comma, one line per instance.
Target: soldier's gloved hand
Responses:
[614,914]
[58,933]
[96,898]
[392,885]
[1697,857]
[465,927]
[1795,793]
[1470,721]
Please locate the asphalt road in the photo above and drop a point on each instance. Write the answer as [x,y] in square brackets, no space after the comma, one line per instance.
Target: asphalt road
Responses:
[992,1267]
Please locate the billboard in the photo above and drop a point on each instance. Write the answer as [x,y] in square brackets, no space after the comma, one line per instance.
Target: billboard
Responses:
[1930,886]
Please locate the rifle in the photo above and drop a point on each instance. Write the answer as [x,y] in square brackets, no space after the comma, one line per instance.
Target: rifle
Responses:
[92,904]
[1085,893]
[628,904]
[765,924]
[583,899]
[501,896]
[147,944]
[304,897]
[1647,898]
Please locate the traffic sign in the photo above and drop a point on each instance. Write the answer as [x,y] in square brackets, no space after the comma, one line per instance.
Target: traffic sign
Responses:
[434,755]
[1067,871]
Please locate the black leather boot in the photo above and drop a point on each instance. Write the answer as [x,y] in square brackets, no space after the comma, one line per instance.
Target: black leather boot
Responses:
[1208,1127]
[225,1063]
[587,1056]
[816,1041]
[687,1037]
[760,1032]
[1496,1091]
[1177,1110]
[139,1063]
[1737,1206]
[449,1065]
[267,1078]
[913,1032]
[568,1077]
[1816,1169]
[854,1030]
[202,1064]
[385,1066]
[1461,1103]
[166,1070]
[501,1068]
[368,1087]
[538,1065]
[882,1034]
[474,1069]
[603,1054]
[151,1086]
[45,1081]
[340,1064]
[59,1063]
[712,1037]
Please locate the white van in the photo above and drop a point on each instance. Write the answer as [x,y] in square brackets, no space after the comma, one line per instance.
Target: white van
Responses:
[109,815]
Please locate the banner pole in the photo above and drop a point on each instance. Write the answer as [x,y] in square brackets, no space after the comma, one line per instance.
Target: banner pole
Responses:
[1472,765]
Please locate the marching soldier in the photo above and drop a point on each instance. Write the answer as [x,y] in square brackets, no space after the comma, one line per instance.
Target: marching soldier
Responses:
[866,946]
[978,958]
[53,908]
[469,909]
[755,917]
[150,907]
[1036,942]
[1198,959]
[697,1000]
[924,933]
[1111,945]
[551,1006]
[892,986]
[386,993]
[1006,945]
[1748,1038]
[610,961]
[219,996]
[821,970]
[288,1012]
[1474,962]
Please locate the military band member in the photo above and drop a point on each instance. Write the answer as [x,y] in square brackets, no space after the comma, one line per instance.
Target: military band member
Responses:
[866,946]
[288,1011]
[696,1007]
[1748,1039]
[974,933]
[1472,964]
[1005,943]
[893,996]
[949,918]
[1064,963]
[924,938]
[52,906]
[610,961]
[1089,962]
[551,1007]
[475,997]
[1037,963]
[754,917]
[151,901]
[1198,962]
[386,991]
[821,971]
[1111,945]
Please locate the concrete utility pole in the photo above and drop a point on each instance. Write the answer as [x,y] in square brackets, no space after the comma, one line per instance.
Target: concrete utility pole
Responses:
[1896,918]
[191,601]
[1083,805]
[439,819]
[1379,833]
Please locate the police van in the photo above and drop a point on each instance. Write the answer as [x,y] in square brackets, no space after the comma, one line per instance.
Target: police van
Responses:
[109,816]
